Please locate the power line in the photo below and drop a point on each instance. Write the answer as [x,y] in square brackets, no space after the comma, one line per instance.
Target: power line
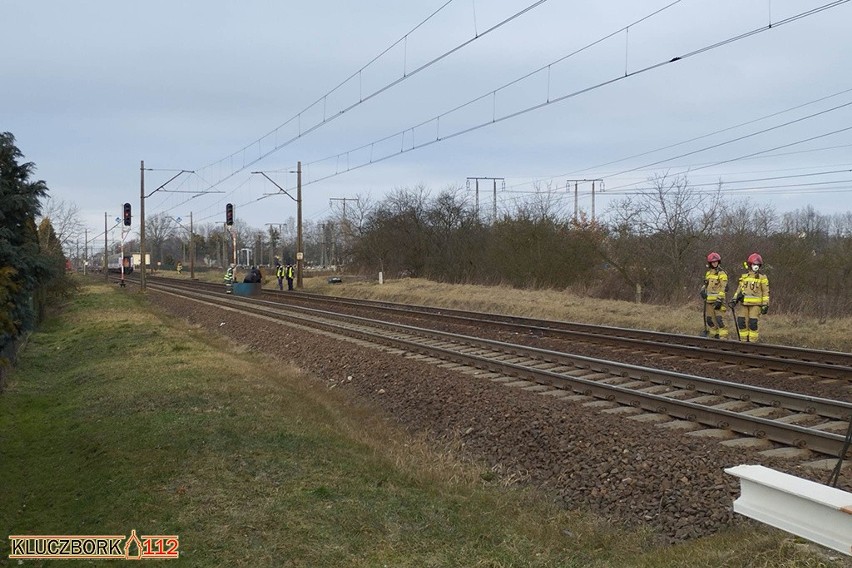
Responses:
[492,93]
[731,141]
[436,120]
[709,134]
[362,99]
[803,141]
[438,138]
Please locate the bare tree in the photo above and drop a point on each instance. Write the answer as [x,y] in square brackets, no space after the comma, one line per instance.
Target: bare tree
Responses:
[673,218]
[158,229]
[64,218]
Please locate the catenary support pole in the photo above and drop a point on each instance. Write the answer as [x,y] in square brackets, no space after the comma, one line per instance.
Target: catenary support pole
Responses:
[299,252]
[106,262]
[191,249]
[142,224]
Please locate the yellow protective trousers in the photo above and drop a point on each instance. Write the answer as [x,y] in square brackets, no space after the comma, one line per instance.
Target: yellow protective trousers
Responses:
[747,317]
[714,320]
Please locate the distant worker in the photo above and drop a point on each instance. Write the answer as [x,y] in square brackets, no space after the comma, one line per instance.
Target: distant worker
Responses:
[288,272]
[179,268]
[229,279]
[279,273]
[713,292]
[753,293]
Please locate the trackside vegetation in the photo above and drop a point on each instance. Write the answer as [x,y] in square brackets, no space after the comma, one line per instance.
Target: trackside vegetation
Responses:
[120,418]
[32,264]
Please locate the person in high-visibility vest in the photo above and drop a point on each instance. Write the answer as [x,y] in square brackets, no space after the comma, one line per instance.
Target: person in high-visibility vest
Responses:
[753,292]
[229,279]
[279,273]
[288,273]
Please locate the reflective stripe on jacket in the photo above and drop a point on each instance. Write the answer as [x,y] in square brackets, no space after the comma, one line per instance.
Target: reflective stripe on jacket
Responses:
[754,287]
[716,284]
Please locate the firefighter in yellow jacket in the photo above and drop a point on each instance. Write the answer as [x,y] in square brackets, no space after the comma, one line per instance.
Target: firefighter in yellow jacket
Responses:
[229,280]
[753,293]
[714,290]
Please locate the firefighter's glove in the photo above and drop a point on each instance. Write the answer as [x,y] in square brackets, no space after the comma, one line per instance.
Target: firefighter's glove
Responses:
[717,305]
[764,309]
[733,303]
[703,293]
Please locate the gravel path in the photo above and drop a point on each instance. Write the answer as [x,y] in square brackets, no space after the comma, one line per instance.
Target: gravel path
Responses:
[630,472]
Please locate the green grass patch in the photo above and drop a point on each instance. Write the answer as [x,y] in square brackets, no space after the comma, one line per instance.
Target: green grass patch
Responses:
[119,419]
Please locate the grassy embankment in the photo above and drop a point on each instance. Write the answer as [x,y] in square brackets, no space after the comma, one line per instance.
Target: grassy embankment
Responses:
[120,419]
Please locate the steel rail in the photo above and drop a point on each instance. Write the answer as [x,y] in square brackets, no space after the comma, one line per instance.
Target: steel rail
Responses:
[830,364]
[469,350]
[810,362]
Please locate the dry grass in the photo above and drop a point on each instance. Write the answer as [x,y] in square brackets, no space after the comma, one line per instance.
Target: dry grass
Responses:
[118,418]
[832,334]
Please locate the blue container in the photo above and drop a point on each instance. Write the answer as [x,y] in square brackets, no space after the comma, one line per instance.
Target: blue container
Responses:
[247,289]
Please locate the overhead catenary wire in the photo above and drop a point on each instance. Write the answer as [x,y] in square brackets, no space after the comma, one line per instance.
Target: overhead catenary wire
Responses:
[362,99]
[436,119]
[731,141]
[745,156]
[694,139]
[750,156]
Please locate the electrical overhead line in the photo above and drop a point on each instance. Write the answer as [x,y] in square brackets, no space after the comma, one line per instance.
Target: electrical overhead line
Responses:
[362,99]
[794,189]
[690,170]
[709,134]
[739,181]
[436,119]
[731,141]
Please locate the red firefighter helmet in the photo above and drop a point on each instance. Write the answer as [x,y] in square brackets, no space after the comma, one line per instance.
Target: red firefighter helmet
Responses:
[714,257]
[755,258]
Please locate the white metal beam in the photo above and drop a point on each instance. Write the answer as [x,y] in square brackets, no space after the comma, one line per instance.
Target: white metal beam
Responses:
[817,512]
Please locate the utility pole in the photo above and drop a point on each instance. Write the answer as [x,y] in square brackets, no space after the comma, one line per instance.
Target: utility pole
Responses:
[322,245]
[494,204]
[347,228]
[106,266]
[191,245]
[191,249]
[85,249]
[223,250]
[142,224]
[593,200]
[344,200]
[576,183]
[300,255]
[142,197]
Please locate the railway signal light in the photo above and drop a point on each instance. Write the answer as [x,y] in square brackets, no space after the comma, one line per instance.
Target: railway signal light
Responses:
[127,214]
[229,214]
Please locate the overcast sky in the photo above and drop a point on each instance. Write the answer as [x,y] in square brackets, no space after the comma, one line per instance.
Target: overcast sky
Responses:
[92,87]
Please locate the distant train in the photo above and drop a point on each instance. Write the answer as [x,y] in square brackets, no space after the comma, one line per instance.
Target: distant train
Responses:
[115,263]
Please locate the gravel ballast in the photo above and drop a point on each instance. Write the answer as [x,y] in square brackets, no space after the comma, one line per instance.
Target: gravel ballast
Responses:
[631,472]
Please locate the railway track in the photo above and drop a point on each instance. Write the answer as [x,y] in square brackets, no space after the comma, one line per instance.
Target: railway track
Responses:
[780,361]
[773,421]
